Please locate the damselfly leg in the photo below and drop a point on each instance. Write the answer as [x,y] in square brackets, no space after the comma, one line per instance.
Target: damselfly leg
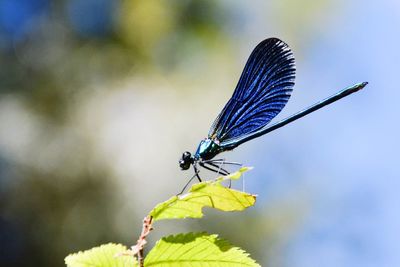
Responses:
[218,166]
[222,162]
[214,168]
[196,175]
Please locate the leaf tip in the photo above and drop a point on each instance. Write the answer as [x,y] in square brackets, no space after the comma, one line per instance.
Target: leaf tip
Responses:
[245,169]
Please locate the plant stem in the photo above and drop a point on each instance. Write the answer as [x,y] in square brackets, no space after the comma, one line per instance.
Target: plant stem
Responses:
[139,247]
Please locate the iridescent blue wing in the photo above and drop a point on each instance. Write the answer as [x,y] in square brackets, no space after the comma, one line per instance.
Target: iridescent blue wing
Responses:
[263,90]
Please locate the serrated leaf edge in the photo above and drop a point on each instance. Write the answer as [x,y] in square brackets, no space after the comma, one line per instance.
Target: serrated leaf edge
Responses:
[221,241]
[91,250]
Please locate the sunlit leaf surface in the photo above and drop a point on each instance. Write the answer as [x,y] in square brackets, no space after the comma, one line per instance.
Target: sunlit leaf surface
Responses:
[197,249]
[205,194]
[103,256]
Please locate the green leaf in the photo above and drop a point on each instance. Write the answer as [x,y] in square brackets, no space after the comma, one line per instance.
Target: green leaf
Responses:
[205,194]
[196,249]
[103,256]
[238,174]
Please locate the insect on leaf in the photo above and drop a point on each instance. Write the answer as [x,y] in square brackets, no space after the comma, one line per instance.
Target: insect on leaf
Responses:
[205,194]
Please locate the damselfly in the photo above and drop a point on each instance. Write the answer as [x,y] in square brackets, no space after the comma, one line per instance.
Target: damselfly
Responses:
[261,93]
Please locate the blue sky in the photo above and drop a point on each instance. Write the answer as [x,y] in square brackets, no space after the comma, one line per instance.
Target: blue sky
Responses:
[344,158]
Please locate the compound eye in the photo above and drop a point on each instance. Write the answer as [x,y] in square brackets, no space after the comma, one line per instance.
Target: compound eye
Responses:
[185,161]
[184,164]
[186,155]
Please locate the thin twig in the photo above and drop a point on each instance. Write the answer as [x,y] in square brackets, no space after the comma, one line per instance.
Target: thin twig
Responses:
[138,248]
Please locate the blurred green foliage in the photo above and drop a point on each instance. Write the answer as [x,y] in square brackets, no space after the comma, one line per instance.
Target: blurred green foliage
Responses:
[54,210]
[54,62]
[57,194]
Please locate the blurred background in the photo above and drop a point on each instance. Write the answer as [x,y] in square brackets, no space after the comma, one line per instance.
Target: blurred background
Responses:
[99,98]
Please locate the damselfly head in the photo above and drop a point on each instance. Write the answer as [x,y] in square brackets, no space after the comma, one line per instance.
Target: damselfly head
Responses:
[186,160]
